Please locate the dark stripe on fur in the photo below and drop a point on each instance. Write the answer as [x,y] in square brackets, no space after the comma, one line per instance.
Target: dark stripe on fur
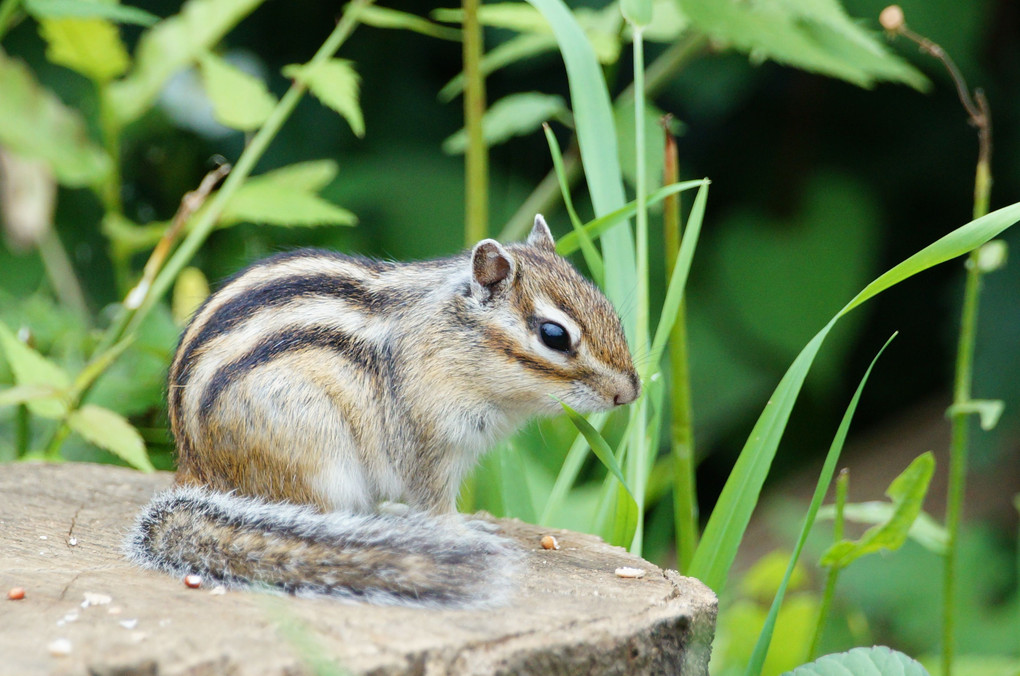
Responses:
[285,341]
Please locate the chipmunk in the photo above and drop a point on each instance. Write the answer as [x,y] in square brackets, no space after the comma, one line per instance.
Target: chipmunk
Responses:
[315,386]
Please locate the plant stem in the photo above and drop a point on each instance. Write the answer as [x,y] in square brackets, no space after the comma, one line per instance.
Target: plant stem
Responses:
[842,486]
[547,193]
[638,458]
[980,116]
[61,275]
[109,190]
[685,499]
[476,156]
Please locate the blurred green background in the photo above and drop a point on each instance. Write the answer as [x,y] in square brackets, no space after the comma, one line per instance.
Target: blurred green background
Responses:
[817,186]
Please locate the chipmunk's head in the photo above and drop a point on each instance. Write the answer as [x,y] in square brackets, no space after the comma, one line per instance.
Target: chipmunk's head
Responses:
[551,327]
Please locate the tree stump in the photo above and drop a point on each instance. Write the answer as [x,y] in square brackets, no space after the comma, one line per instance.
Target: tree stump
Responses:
[86,610]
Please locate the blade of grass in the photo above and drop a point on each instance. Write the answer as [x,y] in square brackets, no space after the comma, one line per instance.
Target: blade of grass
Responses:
[518,498]
[842,488]
[685,499]
[729,519]
[678,277]
[761,648]
[570,243]
[568,472]
[592,258]
[596,137]
[622,523]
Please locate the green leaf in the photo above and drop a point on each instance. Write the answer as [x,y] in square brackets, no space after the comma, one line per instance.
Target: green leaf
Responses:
[91,47]
[907,492]
[239,100]
[729,519]
[814,35]
[52,9]
[335,83]
[638,13]
[513,115]
[112,432]
[515,16]
[925,530]
[276,204]
[22,394]
[678,278]
[624,519]
[35,124]
[311,176]
[384,17]
[874,661]
[761,648]
[988,410]
[513,50]
[170,45]
[518,500]
[31,369]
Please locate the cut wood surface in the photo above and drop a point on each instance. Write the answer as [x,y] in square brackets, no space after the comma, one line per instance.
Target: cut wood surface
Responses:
[86,610]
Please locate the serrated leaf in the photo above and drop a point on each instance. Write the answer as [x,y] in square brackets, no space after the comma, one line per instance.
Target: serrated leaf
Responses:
[310,176]
[275,204]
[170,45]
[111,431]
[239,100]
[91,47]
[31,369]
[515,49]
[76,8]
[35,124]
[513,115]
[384,17]
[925,530]
[874,661]
[335,83]
[907,492]
[22,394]
[514,16]
[814,35]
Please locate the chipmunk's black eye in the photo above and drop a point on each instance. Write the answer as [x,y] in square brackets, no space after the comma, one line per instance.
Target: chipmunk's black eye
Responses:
[554,336]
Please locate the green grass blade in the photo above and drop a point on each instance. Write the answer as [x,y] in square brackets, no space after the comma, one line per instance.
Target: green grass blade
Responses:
[569,471]
[678,279]
[518,498]
[732,512]
[761,648]
[739,496]
[570,242]
[592,257]
[599,446]
[596,138]
[957,243]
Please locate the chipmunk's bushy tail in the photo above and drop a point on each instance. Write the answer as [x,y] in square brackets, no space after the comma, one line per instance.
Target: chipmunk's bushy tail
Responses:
[412,560]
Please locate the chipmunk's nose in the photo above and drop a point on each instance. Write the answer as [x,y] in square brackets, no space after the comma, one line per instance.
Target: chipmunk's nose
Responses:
[628,392]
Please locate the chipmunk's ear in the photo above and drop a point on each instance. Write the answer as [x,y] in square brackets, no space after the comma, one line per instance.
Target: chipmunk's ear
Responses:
[541,237]
[491,265]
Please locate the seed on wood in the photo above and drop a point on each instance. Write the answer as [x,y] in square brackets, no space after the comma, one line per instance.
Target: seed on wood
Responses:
[549,542]
[16,593]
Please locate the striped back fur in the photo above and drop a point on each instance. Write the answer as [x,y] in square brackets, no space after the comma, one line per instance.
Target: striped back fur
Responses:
[341,382]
